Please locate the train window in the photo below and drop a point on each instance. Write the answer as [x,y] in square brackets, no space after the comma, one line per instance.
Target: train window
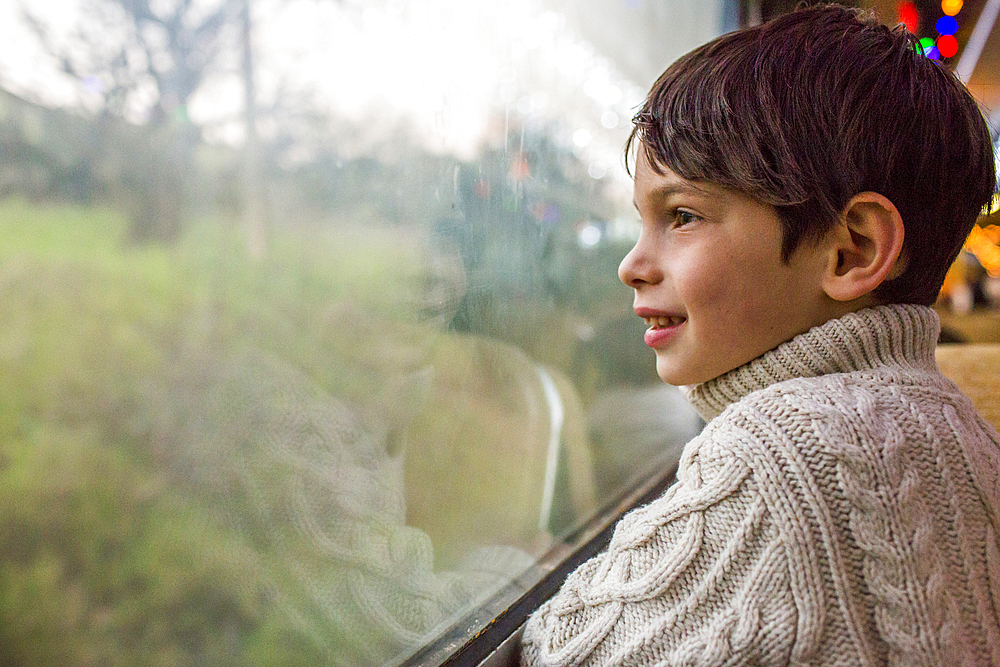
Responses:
[312,344]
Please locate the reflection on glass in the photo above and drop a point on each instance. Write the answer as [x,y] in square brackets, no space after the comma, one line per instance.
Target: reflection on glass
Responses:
[312,336]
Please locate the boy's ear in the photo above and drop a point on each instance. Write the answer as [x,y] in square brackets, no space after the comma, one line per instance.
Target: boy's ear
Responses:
[865,247]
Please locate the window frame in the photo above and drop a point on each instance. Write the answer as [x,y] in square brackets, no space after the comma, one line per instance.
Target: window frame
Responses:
[488,635]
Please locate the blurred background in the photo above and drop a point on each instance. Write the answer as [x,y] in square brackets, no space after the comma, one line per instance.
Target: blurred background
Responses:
[311,336]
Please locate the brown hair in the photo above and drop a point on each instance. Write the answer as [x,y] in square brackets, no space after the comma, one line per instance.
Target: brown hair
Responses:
[816,106]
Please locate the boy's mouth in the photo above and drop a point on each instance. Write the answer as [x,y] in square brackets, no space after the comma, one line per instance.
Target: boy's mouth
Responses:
[661,322]
[662,329]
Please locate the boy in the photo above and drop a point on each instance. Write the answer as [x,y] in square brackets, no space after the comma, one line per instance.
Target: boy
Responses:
[803,187]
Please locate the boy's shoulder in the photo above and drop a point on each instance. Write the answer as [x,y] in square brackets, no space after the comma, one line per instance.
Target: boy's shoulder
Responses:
[804,437]
[837,440]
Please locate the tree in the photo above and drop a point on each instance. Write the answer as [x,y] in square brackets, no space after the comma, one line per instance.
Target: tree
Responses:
[145,60]
[254,197]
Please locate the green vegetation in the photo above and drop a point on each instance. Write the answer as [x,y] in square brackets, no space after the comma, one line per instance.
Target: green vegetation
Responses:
[103,562]
[109,552]
[171,417]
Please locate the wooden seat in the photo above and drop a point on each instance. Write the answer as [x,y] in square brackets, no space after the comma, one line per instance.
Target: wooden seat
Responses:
[975,368]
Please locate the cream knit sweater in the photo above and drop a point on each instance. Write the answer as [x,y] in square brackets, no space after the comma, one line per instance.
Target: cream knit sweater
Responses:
[840,508]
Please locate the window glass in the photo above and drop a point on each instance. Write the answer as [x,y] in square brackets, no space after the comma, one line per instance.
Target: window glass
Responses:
[311,333]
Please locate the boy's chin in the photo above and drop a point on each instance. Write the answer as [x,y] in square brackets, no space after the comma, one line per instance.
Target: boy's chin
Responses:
[671,374]
[679,375]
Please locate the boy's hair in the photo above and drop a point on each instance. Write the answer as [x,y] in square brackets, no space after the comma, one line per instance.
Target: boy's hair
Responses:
[816,106]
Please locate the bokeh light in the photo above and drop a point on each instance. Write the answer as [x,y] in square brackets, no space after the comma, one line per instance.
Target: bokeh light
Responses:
[984,244]
[582,137]
[590,235]
[946,25]
[908,15]
[947,46]
[951,7]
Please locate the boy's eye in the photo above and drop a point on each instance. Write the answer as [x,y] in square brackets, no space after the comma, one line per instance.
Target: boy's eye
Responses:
[682,217]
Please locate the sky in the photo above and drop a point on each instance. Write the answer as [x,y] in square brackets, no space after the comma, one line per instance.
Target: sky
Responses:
[450,68]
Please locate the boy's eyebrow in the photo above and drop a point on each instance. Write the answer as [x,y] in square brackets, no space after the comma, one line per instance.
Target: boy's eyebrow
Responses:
[668,189]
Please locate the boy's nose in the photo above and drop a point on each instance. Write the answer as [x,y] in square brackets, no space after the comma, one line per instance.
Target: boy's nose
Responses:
[636,269]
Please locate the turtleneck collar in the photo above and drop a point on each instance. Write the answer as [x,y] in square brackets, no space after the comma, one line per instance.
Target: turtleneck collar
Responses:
[898,334]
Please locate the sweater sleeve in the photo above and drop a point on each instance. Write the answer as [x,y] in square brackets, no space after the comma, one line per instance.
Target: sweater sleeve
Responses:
[698,577]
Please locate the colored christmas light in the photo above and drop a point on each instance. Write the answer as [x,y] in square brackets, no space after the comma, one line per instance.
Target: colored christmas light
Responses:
[908,15]
[951,7]
[947,46]
[946,25]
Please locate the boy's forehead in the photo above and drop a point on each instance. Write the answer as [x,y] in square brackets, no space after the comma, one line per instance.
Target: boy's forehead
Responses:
[652,185]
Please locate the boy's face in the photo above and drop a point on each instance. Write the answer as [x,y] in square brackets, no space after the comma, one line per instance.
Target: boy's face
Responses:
[709,278]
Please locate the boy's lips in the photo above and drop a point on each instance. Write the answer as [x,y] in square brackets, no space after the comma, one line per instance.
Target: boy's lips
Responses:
[662,325]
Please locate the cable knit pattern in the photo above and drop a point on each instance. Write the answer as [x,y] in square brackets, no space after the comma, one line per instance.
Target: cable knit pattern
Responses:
[839,508]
